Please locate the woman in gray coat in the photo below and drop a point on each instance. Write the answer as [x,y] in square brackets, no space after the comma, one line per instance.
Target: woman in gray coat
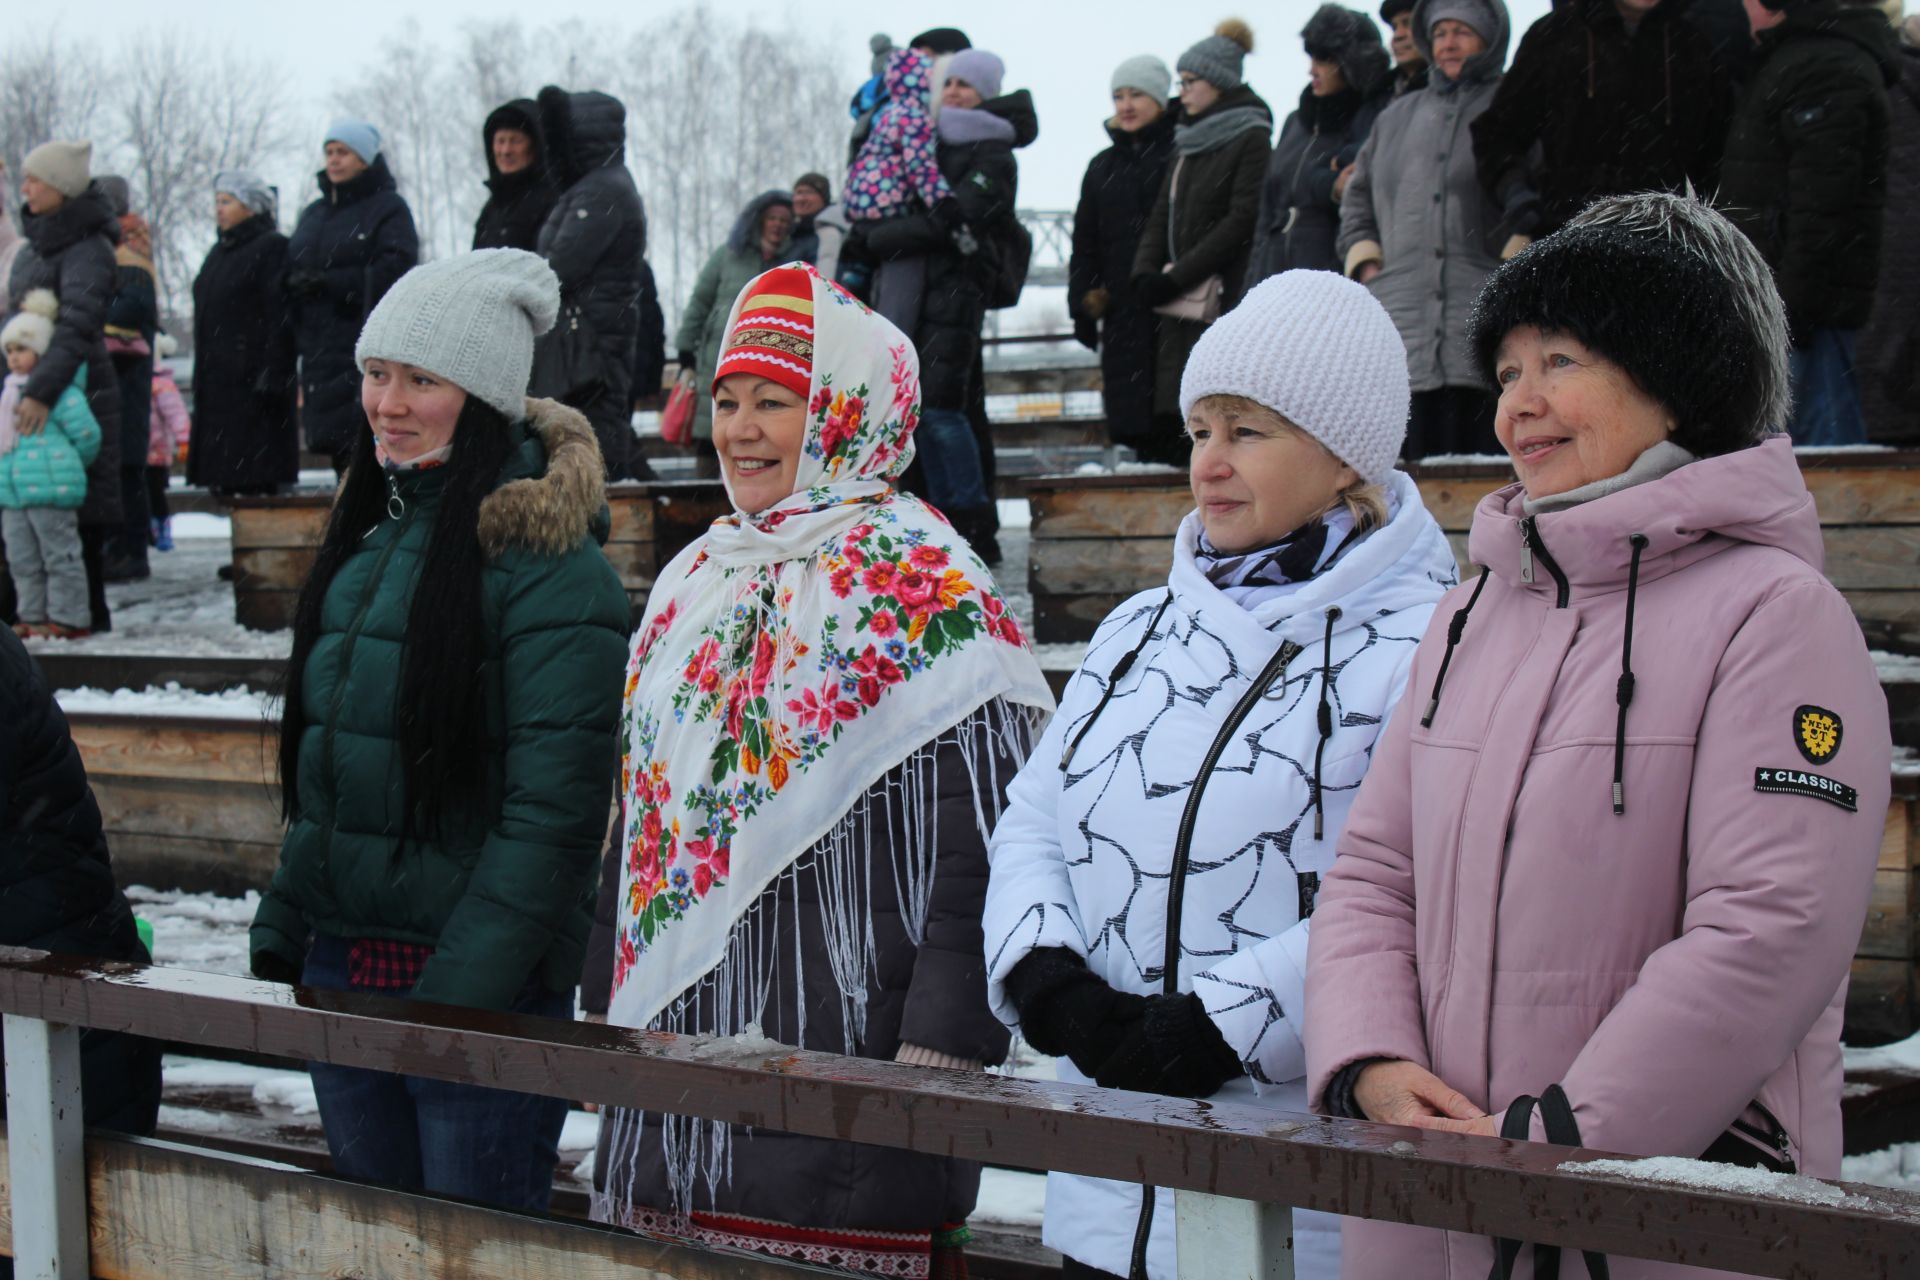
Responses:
[1418,230]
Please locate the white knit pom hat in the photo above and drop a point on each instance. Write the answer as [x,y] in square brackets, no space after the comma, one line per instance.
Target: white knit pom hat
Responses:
[471,319]
[1314,347]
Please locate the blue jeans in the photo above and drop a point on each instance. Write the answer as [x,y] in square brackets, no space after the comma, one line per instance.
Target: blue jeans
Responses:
[1826,398]
[952,460]
[489,1145]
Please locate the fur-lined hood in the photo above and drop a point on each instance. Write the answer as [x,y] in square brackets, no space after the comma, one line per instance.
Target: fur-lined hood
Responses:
[552,512]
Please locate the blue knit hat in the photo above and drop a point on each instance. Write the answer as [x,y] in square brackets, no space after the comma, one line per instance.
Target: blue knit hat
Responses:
[357,135]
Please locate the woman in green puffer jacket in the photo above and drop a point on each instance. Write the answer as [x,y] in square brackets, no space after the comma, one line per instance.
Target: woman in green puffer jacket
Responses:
[448,748]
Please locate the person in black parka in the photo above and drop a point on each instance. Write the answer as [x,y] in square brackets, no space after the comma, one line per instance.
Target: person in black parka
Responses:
[1889,350]
[520,184]
[1116,196]
[1805,179]
[244,435]
[1300,197]
[71,232]
[346,252]
[133,323]
[1613,107]
[56,882]
[595,239]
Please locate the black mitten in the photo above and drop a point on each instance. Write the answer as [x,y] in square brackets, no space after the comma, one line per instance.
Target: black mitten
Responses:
[1067,1011]
[1173,1049]
[1155,288]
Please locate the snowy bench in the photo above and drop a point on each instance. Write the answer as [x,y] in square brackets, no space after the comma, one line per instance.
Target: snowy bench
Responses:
[156,1209]
[1099,538]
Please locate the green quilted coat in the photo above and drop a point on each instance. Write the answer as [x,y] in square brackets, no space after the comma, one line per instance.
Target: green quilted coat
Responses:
[507,894]
[49,468]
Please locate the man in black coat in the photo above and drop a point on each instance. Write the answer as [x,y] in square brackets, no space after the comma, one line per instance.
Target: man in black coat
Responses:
[70,231]
[244,436]
[596,242]
[56,882]
[520,183]
[1805,178]
[1614,105]
[348,249]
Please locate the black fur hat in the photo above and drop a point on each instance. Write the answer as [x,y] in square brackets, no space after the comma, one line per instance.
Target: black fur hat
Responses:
[1393,9]
[1351,39]
[1670,291]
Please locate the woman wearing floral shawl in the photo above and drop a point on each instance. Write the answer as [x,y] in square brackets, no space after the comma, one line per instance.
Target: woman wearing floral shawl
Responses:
[825,704]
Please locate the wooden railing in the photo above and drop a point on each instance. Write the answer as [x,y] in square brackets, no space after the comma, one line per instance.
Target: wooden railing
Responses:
[1220,1152]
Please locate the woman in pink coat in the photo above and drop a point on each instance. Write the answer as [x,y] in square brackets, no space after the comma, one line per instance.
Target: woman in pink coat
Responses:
[1605,877]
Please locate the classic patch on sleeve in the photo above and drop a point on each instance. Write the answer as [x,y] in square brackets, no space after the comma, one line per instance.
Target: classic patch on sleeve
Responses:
[1816,731]
[1792,782]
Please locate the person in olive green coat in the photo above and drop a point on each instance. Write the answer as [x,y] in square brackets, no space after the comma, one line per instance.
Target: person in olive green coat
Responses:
[448,748]
[761,238]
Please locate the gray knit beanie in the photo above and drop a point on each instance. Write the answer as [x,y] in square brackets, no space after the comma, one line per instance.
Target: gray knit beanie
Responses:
[246,186]
[1219,58]
[1147,74]
[470,319]
[64,166]
[1317,349]
[979,68]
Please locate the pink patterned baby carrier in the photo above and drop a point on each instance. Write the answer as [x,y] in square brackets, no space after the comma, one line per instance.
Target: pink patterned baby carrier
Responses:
[897,163]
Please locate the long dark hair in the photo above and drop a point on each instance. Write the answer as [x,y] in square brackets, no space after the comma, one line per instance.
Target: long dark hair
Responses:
[440,712]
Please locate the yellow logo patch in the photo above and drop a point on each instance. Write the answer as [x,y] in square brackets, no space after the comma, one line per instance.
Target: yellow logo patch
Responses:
[1816,731]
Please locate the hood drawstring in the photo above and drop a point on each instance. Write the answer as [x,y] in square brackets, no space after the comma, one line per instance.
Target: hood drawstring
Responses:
[1666,46]
[1120,669]
[1624,693]
[1326,726]
[1455,629]
[1590,64]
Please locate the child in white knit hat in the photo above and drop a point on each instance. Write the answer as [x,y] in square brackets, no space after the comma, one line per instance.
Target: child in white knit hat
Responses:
[43,481]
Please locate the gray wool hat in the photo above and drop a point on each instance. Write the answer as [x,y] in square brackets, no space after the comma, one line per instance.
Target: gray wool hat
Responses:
[1147,74]
[119,193]
[249,188]
[470,319]
[64,166]
[1220,57]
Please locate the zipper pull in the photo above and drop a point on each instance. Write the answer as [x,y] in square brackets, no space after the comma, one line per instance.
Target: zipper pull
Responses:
[1526,550]
[396,505]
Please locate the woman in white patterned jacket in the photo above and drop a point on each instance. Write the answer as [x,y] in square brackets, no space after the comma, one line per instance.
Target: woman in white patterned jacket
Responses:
[1204,757]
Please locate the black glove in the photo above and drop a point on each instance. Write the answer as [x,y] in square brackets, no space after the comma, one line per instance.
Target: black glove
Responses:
[1066,1011]
[306,282]
[1155,288]
[964,240]
[1087,333]
[685,360]
[269,966]
[1173,1049]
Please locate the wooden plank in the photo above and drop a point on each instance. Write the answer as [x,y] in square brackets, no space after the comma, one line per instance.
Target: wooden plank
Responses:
[1081,566]
[632,517]
[1888,619]
[1154,512]
[1873,557]
[1863,495]
[1065,619]
[193,864]
[160,747]
[1890,929]
[1452,500]
[1880,1001]
[160,1211]
[265,610]
[295,524]
[1023,382]
[227,813]
[1223,1147]
[1898,848]
[271,568]
[634,562]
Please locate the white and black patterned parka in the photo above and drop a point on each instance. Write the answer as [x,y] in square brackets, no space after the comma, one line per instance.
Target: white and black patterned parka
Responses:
[1084,854]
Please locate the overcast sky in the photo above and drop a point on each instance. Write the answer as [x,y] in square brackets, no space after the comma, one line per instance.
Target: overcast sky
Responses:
[1063,50]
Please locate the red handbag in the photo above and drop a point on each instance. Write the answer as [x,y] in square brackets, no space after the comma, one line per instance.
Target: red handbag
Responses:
[676,420]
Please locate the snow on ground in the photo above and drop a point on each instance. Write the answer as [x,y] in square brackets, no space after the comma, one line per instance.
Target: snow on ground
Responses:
[1897,1167]
[1010,1198]
[1896,668]
[1902,1055]
[184,608]
[580,1132]
[170,700]
[202,931]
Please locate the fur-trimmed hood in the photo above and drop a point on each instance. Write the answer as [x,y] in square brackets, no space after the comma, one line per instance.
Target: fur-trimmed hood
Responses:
[554,509]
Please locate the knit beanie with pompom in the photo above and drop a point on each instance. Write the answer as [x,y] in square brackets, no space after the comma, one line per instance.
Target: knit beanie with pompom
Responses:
[1317,349]
[32,328]
[1219,58]
[470,319]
